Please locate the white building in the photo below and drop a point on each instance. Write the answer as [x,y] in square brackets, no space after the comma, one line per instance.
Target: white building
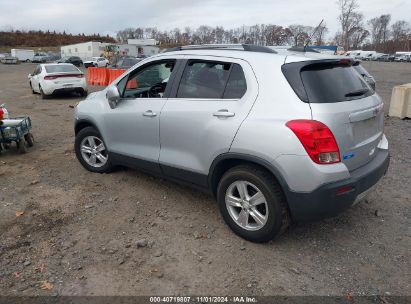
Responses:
[84,50]
[90,49]
[137,50]
[144,42]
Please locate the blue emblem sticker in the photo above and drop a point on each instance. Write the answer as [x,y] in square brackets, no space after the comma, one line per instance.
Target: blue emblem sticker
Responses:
[348,155]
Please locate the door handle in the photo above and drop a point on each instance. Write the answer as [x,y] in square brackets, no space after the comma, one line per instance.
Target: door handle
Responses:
[223,113]
[149,113]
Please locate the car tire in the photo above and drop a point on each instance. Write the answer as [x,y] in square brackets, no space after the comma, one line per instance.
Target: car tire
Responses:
[29,139]
[84,93]
[43,95]
[270,208]
[82,143]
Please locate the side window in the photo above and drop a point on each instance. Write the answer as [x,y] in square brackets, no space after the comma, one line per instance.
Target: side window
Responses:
[149,81]
[236,85]
[203,79]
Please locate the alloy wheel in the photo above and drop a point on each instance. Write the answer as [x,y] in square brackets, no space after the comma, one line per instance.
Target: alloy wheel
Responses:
[246,205]
[93,151]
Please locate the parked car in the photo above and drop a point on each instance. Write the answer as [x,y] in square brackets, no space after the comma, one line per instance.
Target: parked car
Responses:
[54,57]
[126,63]
[402,58]
[96,62]
[307,150]
[73,60]
[364,73]
[377,56]
[51,78]
[9,59]
[40,58]
[386,58]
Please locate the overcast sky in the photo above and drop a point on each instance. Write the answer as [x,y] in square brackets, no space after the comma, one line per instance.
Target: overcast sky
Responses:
[109,16]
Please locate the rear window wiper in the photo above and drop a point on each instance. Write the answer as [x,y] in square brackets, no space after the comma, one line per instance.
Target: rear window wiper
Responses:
[357,92]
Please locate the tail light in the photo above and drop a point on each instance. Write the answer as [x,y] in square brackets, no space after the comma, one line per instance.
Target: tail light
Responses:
[317,139]
[52,77]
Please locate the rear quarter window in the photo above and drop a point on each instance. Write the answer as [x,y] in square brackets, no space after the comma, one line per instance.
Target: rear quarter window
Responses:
[212,80]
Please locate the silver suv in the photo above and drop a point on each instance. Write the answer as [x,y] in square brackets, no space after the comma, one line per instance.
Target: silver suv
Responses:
[275,138]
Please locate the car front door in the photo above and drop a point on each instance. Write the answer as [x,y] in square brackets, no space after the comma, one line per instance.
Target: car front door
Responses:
[132,127]
[203,114]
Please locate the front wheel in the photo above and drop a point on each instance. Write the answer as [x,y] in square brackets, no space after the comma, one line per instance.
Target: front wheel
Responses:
[252,203]
[91,151]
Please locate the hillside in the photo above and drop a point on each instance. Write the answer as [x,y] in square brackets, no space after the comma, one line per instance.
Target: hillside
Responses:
[40,39]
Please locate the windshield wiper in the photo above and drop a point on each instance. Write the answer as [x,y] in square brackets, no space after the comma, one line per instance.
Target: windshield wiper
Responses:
[357,92]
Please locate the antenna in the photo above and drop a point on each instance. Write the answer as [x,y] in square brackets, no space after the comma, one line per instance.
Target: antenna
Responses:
[312,34]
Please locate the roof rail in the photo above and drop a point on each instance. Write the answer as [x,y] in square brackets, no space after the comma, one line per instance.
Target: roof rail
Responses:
[236,47]
[302,49]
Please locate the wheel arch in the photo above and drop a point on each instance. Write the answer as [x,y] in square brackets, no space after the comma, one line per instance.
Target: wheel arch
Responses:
[229,160]
[83,123]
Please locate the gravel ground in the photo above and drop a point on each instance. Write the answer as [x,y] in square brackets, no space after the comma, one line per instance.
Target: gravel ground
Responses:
[65,231]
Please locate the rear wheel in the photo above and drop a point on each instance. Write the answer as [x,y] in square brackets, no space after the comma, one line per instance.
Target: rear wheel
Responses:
[252,203]
[91,151]
[43,95]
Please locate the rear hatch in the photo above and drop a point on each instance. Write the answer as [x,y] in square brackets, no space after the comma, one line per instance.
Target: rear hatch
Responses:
[340,98]
[65,79]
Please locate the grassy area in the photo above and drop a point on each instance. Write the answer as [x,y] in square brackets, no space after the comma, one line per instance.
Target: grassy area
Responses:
[54,49]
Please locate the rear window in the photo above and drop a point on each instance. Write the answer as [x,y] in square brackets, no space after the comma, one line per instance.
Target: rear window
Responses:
[326,82]
[61,68]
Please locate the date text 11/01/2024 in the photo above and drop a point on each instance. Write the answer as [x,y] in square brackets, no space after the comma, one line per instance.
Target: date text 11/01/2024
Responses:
[203,299]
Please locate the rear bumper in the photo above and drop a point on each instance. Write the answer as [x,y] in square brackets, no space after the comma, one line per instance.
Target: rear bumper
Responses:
[67,90]
[326,202]
[50,88]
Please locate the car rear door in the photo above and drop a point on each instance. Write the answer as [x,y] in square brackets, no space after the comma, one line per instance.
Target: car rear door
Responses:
[340,98]
[200,119]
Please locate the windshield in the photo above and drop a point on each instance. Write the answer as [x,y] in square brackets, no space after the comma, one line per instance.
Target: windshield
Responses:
[60,68]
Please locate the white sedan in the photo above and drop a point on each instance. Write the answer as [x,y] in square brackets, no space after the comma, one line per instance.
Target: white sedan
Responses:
[97,62]
[51,78]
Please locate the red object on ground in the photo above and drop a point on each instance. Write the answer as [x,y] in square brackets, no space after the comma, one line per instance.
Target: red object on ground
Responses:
[3,113]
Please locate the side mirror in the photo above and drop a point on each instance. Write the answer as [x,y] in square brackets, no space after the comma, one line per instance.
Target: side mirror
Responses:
[113,96]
